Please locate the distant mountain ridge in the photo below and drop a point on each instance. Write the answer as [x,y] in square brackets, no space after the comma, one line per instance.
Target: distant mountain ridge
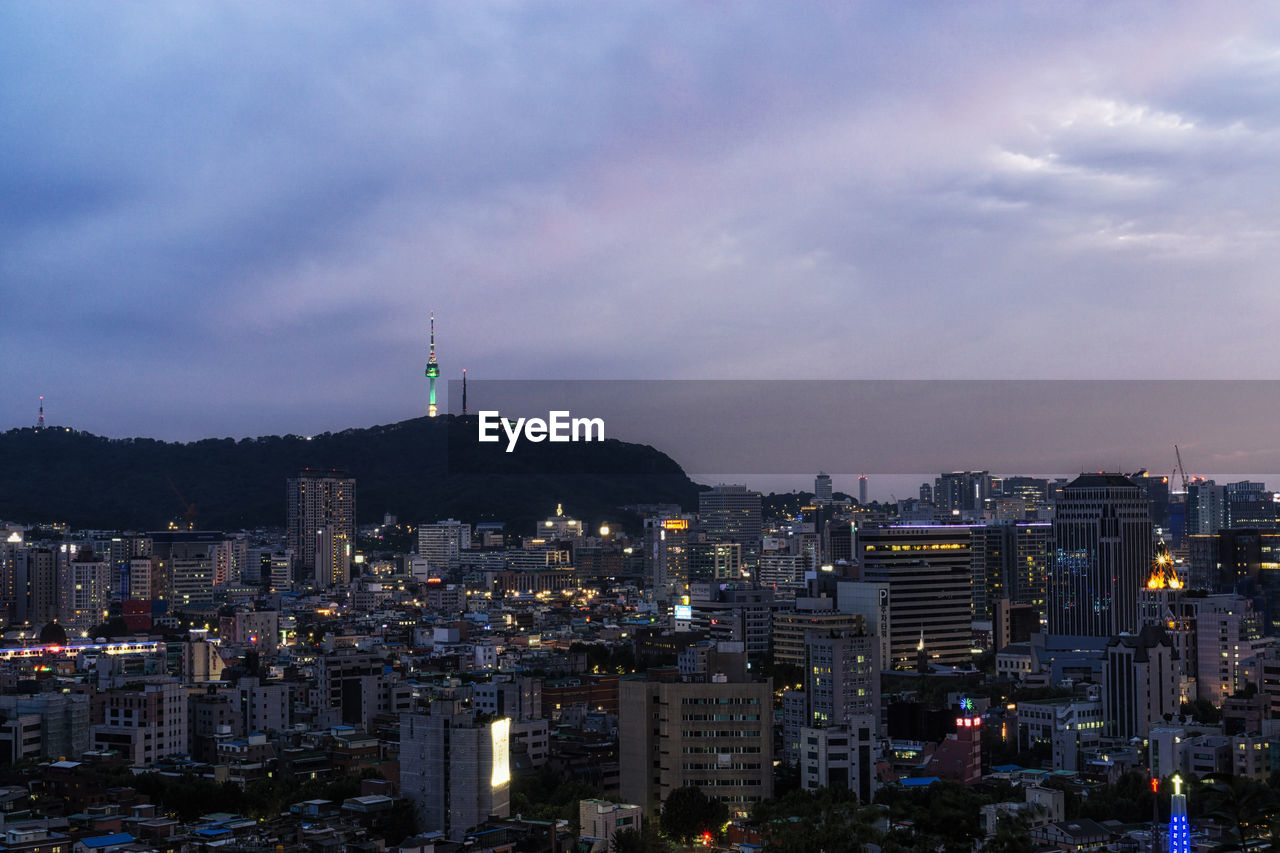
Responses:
[419,470]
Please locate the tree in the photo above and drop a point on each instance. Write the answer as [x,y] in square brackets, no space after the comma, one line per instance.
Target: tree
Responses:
[688,813]
[1241,806]
[1011,836]
[824,819]
[642,840]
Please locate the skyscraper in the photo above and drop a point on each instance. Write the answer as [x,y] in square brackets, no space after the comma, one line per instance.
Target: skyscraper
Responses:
[732,514]
[862,490]
[322,525]
[1102,556]
[928,574]
[822,487]
[1010,561]
[1206,507]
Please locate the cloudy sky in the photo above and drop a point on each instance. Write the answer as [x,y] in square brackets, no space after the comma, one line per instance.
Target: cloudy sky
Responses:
[232,218]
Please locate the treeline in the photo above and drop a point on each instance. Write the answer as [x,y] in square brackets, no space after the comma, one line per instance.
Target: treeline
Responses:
[421,469]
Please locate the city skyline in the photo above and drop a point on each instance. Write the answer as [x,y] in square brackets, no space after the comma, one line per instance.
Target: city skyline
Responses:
[238,219]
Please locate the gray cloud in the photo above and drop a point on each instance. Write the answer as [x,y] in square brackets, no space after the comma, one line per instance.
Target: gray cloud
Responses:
[230,219]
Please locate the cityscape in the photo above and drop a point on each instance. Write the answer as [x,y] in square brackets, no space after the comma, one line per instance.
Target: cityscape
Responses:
[510,427]
[1070,663]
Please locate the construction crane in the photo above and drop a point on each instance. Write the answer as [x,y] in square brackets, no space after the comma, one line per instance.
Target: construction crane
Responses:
[190,514]
[1181,470]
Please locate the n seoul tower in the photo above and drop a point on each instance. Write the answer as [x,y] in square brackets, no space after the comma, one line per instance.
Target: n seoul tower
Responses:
[433,370]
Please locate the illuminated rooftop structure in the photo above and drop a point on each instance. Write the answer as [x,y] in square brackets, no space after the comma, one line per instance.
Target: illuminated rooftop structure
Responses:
[1163,574]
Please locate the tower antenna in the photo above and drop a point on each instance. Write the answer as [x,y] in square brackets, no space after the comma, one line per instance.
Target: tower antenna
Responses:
[433,370]
[464,392]
[40,419]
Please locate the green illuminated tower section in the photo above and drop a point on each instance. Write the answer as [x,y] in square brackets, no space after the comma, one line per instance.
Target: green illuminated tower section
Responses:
[433,370]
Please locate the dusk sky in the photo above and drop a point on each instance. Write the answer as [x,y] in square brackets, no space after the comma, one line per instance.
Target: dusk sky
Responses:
[233,218]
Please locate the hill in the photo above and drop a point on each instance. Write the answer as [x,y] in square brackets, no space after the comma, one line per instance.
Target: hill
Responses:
[421,469]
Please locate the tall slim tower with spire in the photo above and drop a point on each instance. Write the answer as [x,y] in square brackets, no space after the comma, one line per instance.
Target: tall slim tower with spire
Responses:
[433,370]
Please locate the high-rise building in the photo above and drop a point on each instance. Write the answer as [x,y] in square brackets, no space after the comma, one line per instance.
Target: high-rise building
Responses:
[1141,674]
[1206,507]
[928,573]
[734,613]
[961,492]
[455,767]
[84,590]
[714,561]
[842,677]
[442,543]
[1102,556]
[732,514]
[822,487]
[322,525]
[1010,560]
[1227,633]
[666,539]
[862,490]
[183,563]
[716,734]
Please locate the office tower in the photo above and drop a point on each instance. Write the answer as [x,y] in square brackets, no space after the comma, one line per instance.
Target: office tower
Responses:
[822,488]
[84,590]
[1141,674]
[38,566]
[1102,557]
[1010,560]
[716,734]
[442,543]
[1032,491]
[790,627]
[862,490]
[732,613]
[433,371]
[183,563]
[842,677]
[13,586]
[1155,489]
[871,602]
[1227,633]
[928,574]
[1206,507]
[322,525]
[455,768]
[926,493]
[715,561]
[961,492]
[732,514]
[666,559]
